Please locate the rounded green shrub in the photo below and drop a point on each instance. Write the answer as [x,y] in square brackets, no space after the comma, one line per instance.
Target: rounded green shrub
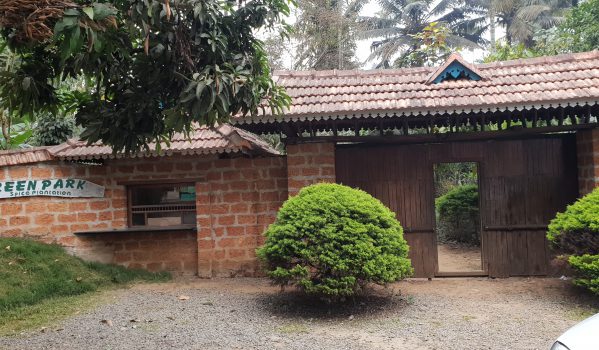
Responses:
[331,240]
[458,215]
[587,267]
[575,233]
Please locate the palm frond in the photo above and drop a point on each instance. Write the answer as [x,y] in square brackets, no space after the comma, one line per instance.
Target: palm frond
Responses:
[380,33]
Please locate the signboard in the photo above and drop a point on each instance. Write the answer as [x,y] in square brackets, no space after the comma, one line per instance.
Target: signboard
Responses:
[50,187]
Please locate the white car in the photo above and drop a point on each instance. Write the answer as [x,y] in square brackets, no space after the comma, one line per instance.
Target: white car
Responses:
[583,336]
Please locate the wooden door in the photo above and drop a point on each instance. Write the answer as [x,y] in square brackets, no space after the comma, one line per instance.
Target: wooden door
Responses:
[399,177]
[523,183]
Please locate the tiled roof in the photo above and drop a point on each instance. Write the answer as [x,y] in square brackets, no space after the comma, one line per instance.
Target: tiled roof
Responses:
[22,156]
[205,140]
[518,84]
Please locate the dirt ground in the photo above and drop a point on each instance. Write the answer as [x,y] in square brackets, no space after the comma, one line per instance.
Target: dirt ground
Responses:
[472,313]
[458,258]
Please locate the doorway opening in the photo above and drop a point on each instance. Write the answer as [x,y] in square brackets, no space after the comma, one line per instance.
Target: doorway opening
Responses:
[457,218]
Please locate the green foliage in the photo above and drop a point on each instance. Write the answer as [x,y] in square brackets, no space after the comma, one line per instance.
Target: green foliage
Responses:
[577,32]
[33,272]
[504,52]
[18,135]
[580,30]
[331,240]
[450,175]
[576,231]
[587,267]
[396,28]
[157,66]
[325,32]
[458,215]
[51,130]
[433,50]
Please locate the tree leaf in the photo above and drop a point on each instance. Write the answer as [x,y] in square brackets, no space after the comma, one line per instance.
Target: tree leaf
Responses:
[89,11]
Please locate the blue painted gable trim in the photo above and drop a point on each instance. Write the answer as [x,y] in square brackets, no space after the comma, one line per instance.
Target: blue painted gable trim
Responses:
[455,70]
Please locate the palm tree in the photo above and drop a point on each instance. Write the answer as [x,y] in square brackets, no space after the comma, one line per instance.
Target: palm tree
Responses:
[325,34]
[521,18]
[396,28]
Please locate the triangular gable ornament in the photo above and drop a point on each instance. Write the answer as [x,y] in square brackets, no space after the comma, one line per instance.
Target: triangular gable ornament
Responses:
[453,69]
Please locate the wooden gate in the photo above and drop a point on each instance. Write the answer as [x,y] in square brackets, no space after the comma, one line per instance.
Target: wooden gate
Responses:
[523,183]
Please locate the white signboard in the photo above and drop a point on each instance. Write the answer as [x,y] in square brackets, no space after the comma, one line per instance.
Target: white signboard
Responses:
[50,187]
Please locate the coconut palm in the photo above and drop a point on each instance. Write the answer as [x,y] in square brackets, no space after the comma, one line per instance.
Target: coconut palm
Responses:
[325,34]
[395,29]
[521,18]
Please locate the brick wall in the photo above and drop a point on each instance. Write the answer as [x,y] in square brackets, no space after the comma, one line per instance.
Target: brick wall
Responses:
[236,199]
[53,219]
[310,163]
[174,251]
[235,205]
[587,144]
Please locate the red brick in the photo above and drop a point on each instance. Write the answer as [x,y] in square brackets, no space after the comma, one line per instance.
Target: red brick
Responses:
[236,253]
[13,232]
[206,244]
[235,231]
[219,254]
[65,171]
[121,257]
[77,206]
[44,219]
[239,208]
[87,217]
[232,197]
[246,219]
[227,242]
[67,218]
[18,173]
[226,220]
[10,208]
[41,173]
[98,205]
[68,240]
[58,207]
[219,209]
[19,220]
[239,185]
[59,229]
[36,207]
[105,216]
[219,231]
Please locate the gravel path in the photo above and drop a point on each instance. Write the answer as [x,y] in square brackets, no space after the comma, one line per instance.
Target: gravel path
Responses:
[250,314]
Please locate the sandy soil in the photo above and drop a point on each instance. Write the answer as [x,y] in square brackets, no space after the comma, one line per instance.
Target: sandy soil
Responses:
[458,258]
[474,313]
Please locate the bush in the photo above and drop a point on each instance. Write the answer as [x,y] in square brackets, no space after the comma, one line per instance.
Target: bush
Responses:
[331,240]
[587,267]
[53,130]
[575,233]
[458,215]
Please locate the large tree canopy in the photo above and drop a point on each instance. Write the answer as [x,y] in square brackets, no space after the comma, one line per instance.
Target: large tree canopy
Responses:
[156,66]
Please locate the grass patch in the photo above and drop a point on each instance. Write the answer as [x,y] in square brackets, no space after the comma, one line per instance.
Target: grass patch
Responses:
[293,328]
[34,276]
[579,314]
[49,313]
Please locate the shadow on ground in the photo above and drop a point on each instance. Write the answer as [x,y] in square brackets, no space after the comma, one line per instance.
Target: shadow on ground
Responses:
[371,303]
